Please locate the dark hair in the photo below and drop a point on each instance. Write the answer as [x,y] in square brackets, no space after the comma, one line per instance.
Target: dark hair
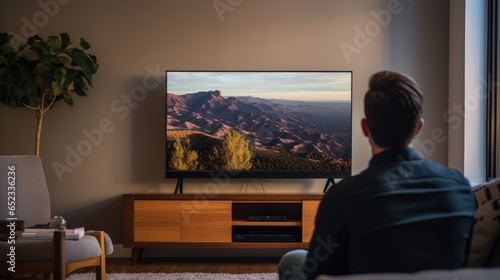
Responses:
[393,109]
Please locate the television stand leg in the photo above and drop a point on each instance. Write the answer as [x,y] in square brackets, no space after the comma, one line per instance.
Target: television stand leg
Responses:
[329,182]
[178,186]
[136,255]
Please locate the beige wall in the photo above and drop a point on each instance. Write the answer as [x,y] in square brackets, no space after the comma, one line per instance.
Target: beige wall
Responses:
[136,41]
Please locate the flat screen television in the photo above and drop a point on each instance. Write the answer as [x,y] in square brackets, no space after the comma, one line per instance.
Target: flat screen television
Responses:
[258,124]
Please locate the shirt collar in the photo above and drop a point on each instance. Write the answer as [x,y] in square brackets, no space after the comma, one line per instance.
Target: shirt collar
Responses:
[395,155]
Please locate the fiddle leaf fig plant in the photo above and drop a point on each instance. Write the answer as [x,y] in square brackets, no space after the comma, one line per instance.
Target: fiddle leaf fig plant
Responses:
[38,73]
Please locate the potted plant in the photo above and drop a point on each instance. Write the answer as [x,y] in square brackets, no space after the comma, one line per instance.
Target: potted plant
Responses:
[38,73]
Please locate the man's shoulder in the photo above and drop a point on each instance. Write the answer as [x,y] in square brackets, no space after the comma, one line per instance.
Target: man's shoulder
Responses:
[404,171]
[433,169]
[355,184]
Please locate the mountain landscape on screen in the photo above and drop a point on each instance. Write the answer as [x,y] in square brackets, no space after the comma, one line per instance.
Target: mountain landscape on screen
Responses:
[208,131]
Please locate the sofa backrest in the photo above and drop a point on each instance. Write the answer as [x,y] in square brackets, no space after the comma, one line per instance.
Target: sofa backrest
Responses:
[485,245]
[493,259]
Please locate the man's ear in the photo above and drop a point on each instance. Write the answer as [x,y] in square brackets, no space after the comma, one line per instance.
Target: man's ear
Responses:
[420,125]
[364,127]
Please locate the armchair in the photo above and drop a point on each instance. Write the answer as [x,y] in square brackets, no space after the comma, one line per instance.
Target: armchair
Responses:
[54,258]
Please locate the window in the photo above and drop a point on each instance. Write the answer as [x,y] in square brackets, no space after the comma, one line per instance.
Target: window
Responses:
[492,84]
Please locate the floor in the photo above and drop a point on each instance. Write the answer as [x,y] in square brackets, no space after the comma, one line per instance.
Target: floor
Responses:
[178,265]
[209,265]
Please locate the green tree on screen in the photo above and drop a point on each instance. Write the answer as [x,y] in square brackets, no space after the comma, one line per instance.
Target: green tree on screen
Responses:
[183,157]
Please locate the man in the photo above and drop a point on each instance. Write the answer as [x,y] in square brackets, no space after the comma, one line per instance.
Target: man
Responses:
[403,213]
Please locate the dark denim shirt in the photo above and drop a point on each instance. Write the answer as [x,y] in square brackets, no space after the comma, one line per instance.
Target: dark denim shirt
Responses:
[402,214]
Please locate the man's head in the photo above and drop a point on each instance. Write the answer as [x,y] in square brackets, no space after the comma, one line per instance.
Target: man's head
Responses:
[393,109]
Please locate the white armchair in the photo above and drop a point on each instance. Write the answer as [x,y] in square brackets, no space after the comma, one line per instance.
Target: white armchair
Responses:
[56,257]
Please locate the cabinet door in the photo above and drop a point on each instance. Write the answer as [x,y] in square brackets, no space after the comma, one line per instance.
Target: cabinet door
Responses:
[309,209]
[205,221]
[157,221]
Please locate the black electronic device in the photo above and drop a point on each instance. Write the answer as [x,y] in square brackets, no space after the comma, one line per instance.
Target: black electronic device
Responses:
[265,237]
[267,234]
[267,218]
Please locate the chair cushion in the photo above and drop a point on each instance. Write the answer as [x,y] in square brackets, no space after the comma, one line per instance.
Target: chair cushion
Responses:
[41,250]
[487,222]
[108,243]
[85,248]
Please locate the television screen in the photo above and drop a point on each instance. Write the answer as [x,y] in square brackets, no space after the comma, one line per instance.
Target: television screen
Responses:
[262,124]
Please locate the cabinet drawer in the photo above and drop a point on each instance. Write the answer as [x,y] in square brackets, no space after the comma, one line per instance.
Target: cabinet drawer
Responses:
[207,221]
[309,209]
[157,221]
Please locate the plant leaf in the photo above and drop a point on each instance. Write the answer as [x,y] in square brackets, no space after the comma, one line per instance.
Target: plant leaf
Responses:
[15,99]
[42,68]
[38,46]
[32,39]
[84,44]
[70,86]
[65,41]
[31,87]
[81,59]
[24,71]
[12,74]
[67,99]
[25,100]
[94,65]
[12,95]
[56,89]
[79,56]
[59,81]
[58,76]
[5,39]
[54,44]
[65,60]
[93,58]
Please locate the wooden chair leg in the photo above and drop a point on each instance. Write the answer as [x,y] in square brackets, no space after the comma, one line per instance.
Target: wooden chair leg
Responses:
[47,276]
[100,273]
[101,269]
[59,255]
